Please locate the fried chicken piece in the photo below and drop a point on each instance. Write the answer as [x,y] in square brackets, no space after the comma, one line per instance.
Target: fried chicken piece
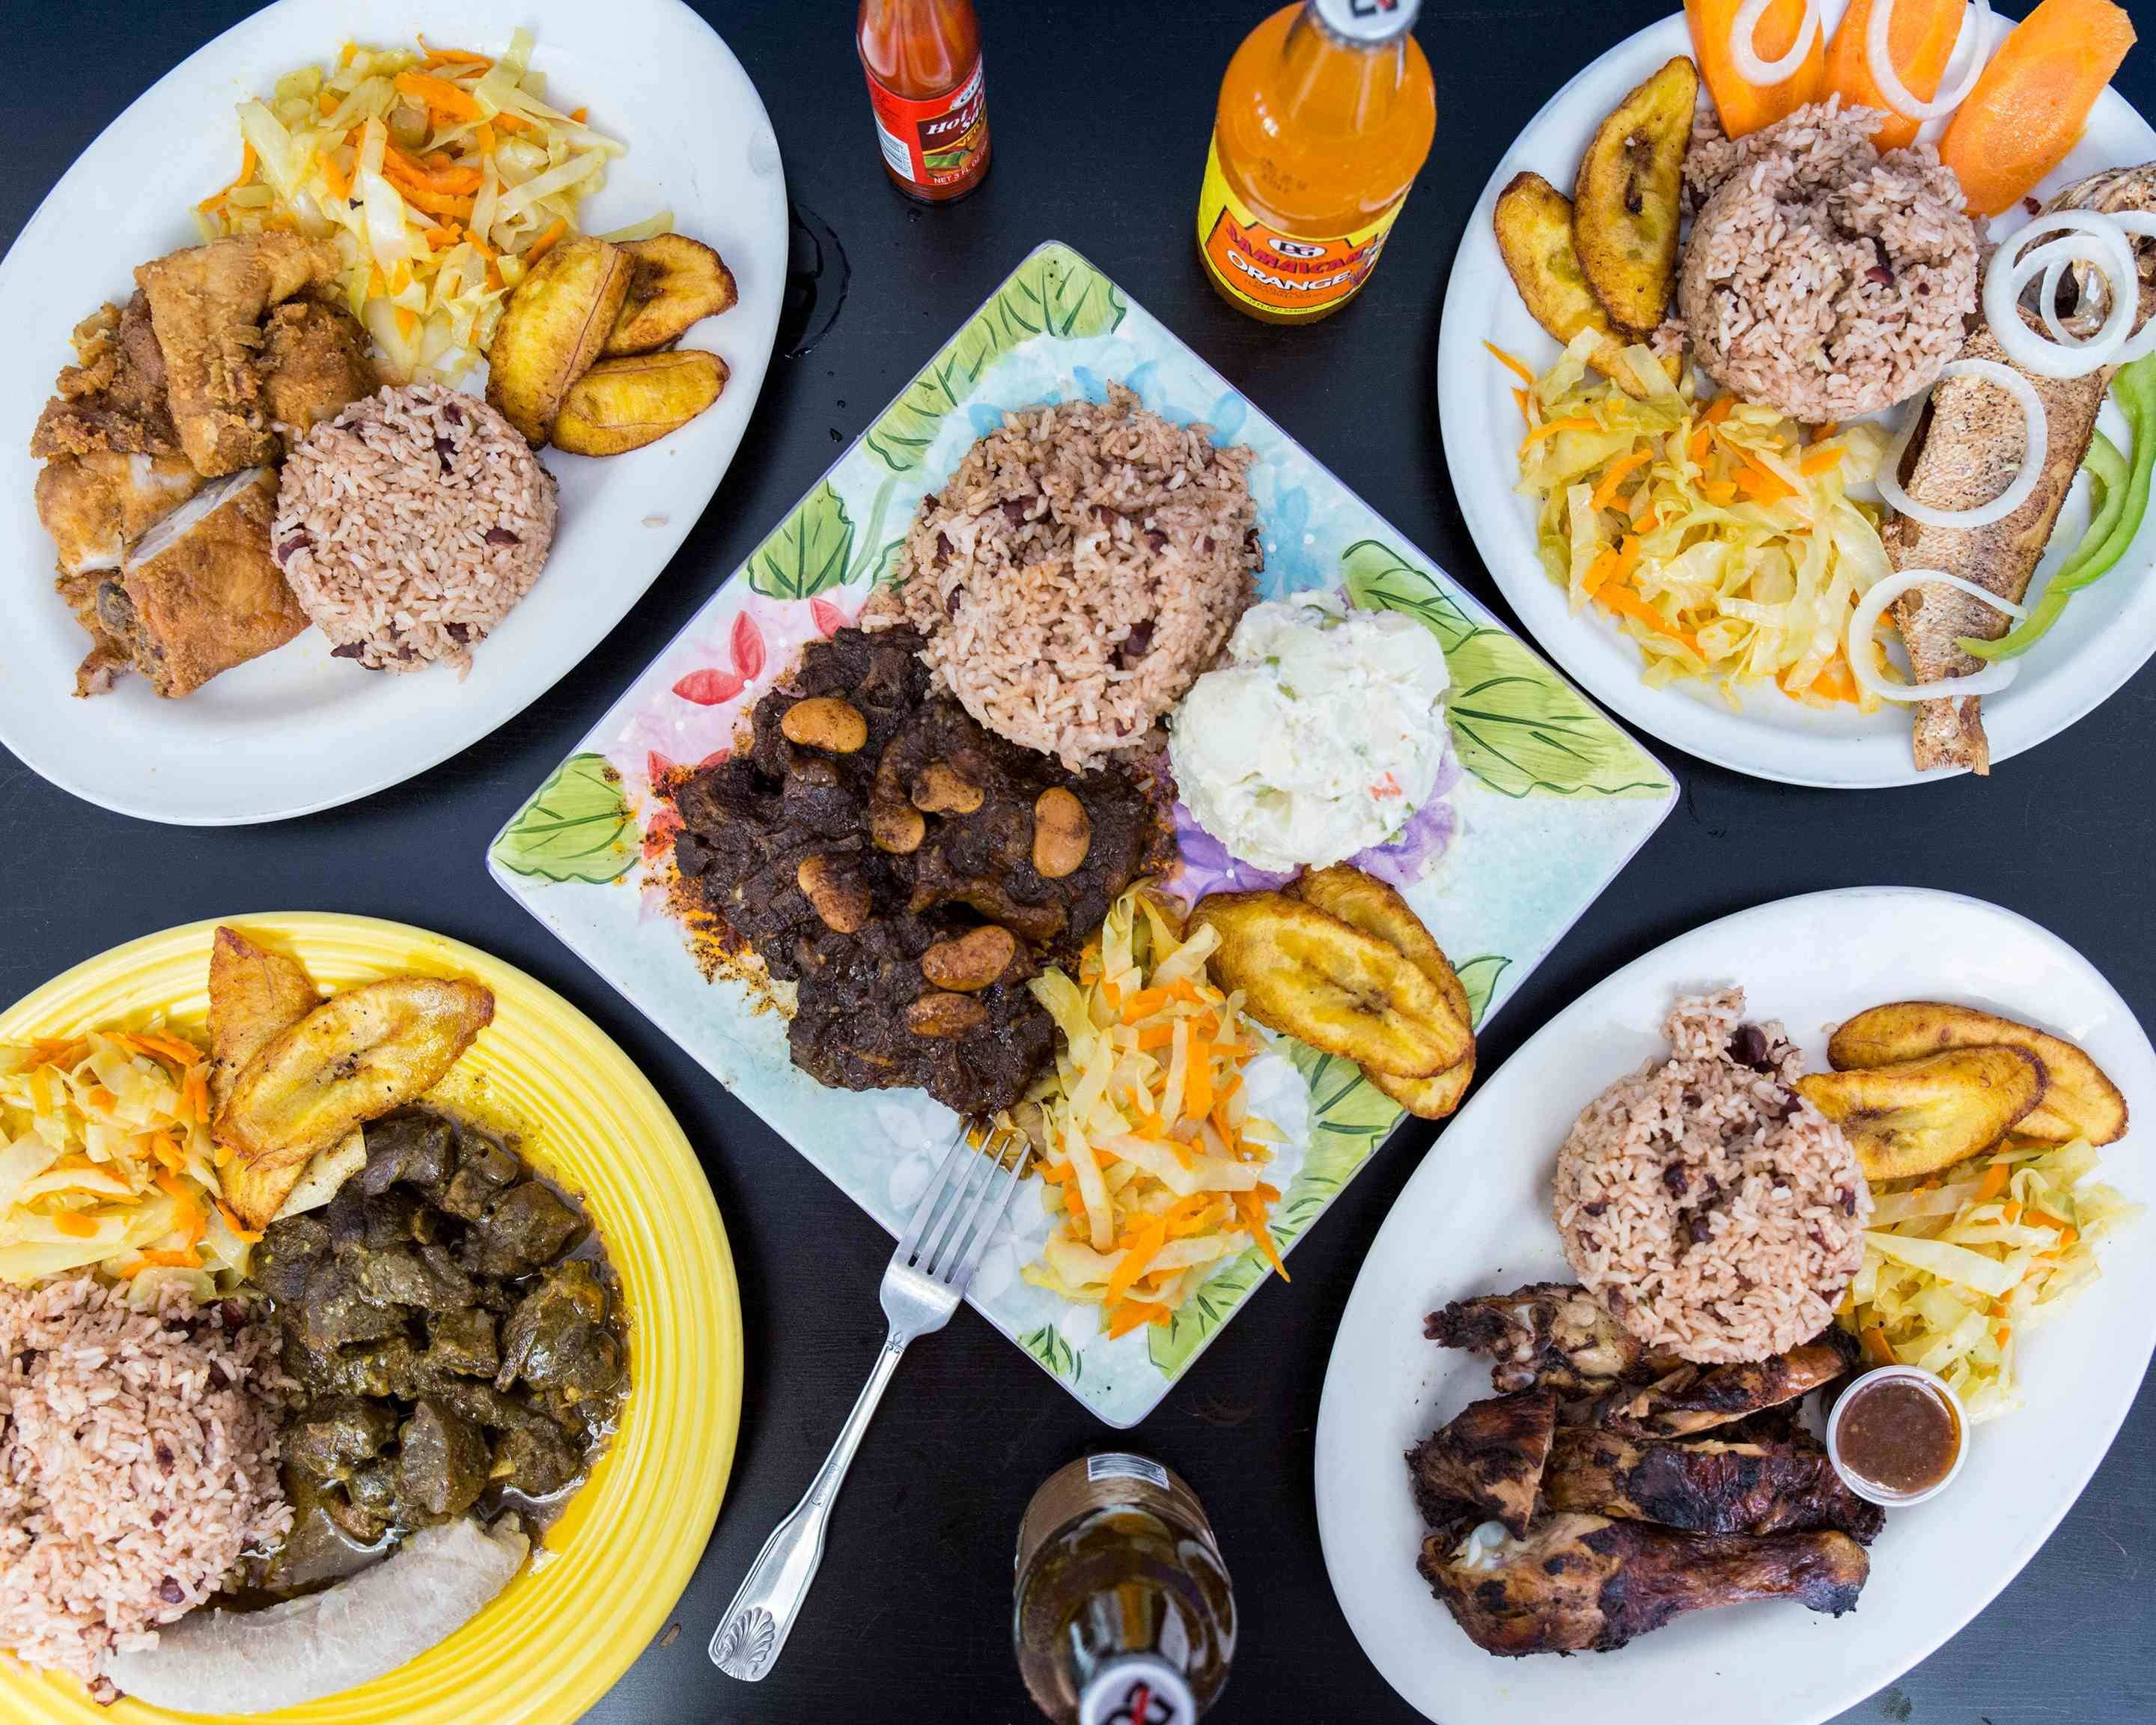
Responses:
[201,591]
[1547,1335]
[208,304]
[113,398]
[314,363]
[1490,1456]
[1584,1583]
[95,505]
[1704,1488]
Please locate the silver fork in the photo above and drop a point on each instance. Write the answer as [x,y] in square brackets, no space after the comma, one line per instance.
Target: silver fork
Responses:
[927,1276]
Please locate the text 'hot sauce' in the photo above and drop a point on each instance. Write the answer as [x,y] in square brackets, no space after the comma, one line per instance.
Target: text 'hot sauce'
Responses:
[923,61]
[1325,116]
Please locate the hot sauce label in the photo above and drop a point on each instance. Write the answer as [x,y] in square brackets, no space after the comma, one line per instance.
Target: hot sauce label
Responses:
[1288,275]
[942,141]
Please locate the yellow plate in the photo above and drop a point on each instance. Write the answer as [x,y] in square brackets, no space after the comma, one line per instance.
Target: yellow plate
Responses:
[619,1558]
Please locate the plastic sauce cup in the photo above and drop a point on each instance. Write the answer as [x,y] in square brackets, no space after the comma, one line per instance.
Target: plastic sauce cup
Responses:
[1869,1489]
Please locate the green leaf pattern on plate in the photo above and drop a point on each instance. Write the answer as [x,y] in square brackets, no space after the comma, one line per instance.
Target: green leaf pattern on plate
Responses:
[1479,977]
[577,827]
[1046,1344]
[1520,728]
[1055,293]
[1349,1118]
[806,552]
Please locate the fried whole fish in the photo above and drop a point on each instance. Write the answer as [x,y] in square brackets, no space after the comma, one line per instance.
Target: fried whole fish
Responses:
[1969,452]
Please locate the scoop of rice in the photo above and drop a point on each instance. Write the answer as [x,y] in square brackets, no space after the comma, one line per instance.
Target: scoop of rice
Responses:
[1822,277]
[1714,1213]
[1082,566]
[135,1467]
[411,524]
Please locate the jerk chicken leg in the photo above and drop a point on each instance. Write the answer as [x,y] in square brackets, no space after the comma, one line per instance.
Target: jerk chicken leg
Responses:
[1547,1335]
[1704,1488]
[1582,1584]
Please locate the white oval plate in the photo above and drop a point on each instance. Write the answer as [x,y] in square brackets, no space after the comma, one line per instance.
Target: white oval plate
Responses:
[295,730]
[1475,1220]
[2107,634]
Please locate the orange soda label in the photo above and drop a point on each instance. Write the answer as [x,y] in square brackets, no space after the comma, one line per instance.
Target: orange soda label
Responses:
[1287,275]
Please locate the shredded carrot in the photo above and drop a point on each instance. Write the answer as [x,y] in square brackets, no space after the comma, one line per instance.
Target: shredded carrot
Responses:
[326,103]
[1615,474]
[2003,1334]
[347,53]
[438,93]
[73,1225]
[171,1048]
[454,57]
[1513,363]
[1718,490]
[580,115]
[1718,410]
[340,183]
[507,122]
[2044,1219]
[1253,1212]
[240,1229]
[186,1259]
[1550,428]
[1994,1181]
[1759,481]
[1520,401]
[1140,1245]
[1135,1314]
[1627,604]
[1821,457]
[1198,1087]
[2011,1210]
[1876,1348]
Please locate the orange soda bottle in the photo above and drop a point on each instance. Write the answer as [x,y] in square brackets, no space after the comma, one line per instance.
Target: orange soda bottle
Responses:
[1326,117]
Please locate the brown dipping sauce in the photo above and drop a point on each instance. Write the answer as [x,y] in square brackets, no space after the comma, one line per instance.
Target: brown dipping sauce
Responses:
[1899,1435]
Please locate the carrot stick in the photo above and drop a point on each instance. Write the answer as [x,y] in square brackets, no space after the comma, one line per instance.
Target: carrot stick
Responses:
[1920,40]
[1252,1209]
[1745,106]
[1821,457]
[1512,362]
[1627,604]
[1615,475]
[1876,1348]
[439,93]
[2029,108]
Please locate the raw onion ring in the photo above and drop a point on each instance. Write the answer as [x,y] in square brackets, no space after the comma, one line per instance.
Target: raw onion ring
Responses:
[2024,483]
[2013,266]
[1864,622]
[2144,223]
[1879,57]
[1744,54]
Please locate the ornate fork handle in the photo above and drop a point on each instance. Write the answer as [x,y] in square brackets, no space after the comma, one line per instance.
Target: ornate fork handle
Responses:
[756,1624]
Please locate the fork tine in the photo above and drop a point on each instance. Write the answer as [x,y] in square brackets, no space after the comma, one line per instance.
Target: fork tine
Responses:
[926,1206]
[948,1251]
[950,1229]
[960,1283]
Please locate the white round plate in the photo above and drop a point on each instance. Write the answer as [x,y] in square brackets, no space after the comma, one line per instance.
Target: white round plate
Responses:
[2107,634]
[297,730]
[1475,1220]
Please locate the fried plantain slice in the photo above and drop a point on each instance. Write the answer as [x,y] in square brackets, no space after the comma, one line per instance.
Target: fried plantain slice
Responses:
[2080,1101]
[675,281]
[351,1060]
[1362,901]
[1428,1098]
[1625,202]
[254,995]
[1921,1116]
[1311,976]
[1533,221]
[623,404]
[551,331]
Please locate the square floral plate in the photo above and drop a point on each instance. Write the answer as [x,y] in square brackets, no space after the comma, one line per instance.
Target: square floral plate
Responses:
[1548,799]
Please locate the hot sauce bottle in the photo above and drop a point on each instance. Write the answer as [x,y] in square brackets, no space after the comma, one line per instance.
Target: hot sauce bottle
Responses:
[1326,117]
[923,61]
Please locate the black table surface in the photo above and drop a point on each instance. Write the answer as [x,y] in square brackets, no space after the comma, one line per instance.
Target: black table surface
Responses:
[1100,110]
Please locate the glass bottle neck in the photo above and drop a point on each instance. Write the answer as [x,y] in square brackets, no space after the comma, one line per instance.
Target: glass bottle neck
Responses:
[1349,86]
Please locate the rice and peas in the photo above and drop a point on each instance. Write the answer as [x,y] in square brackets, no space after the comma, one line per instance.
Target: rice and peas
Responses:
[1716,1214]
